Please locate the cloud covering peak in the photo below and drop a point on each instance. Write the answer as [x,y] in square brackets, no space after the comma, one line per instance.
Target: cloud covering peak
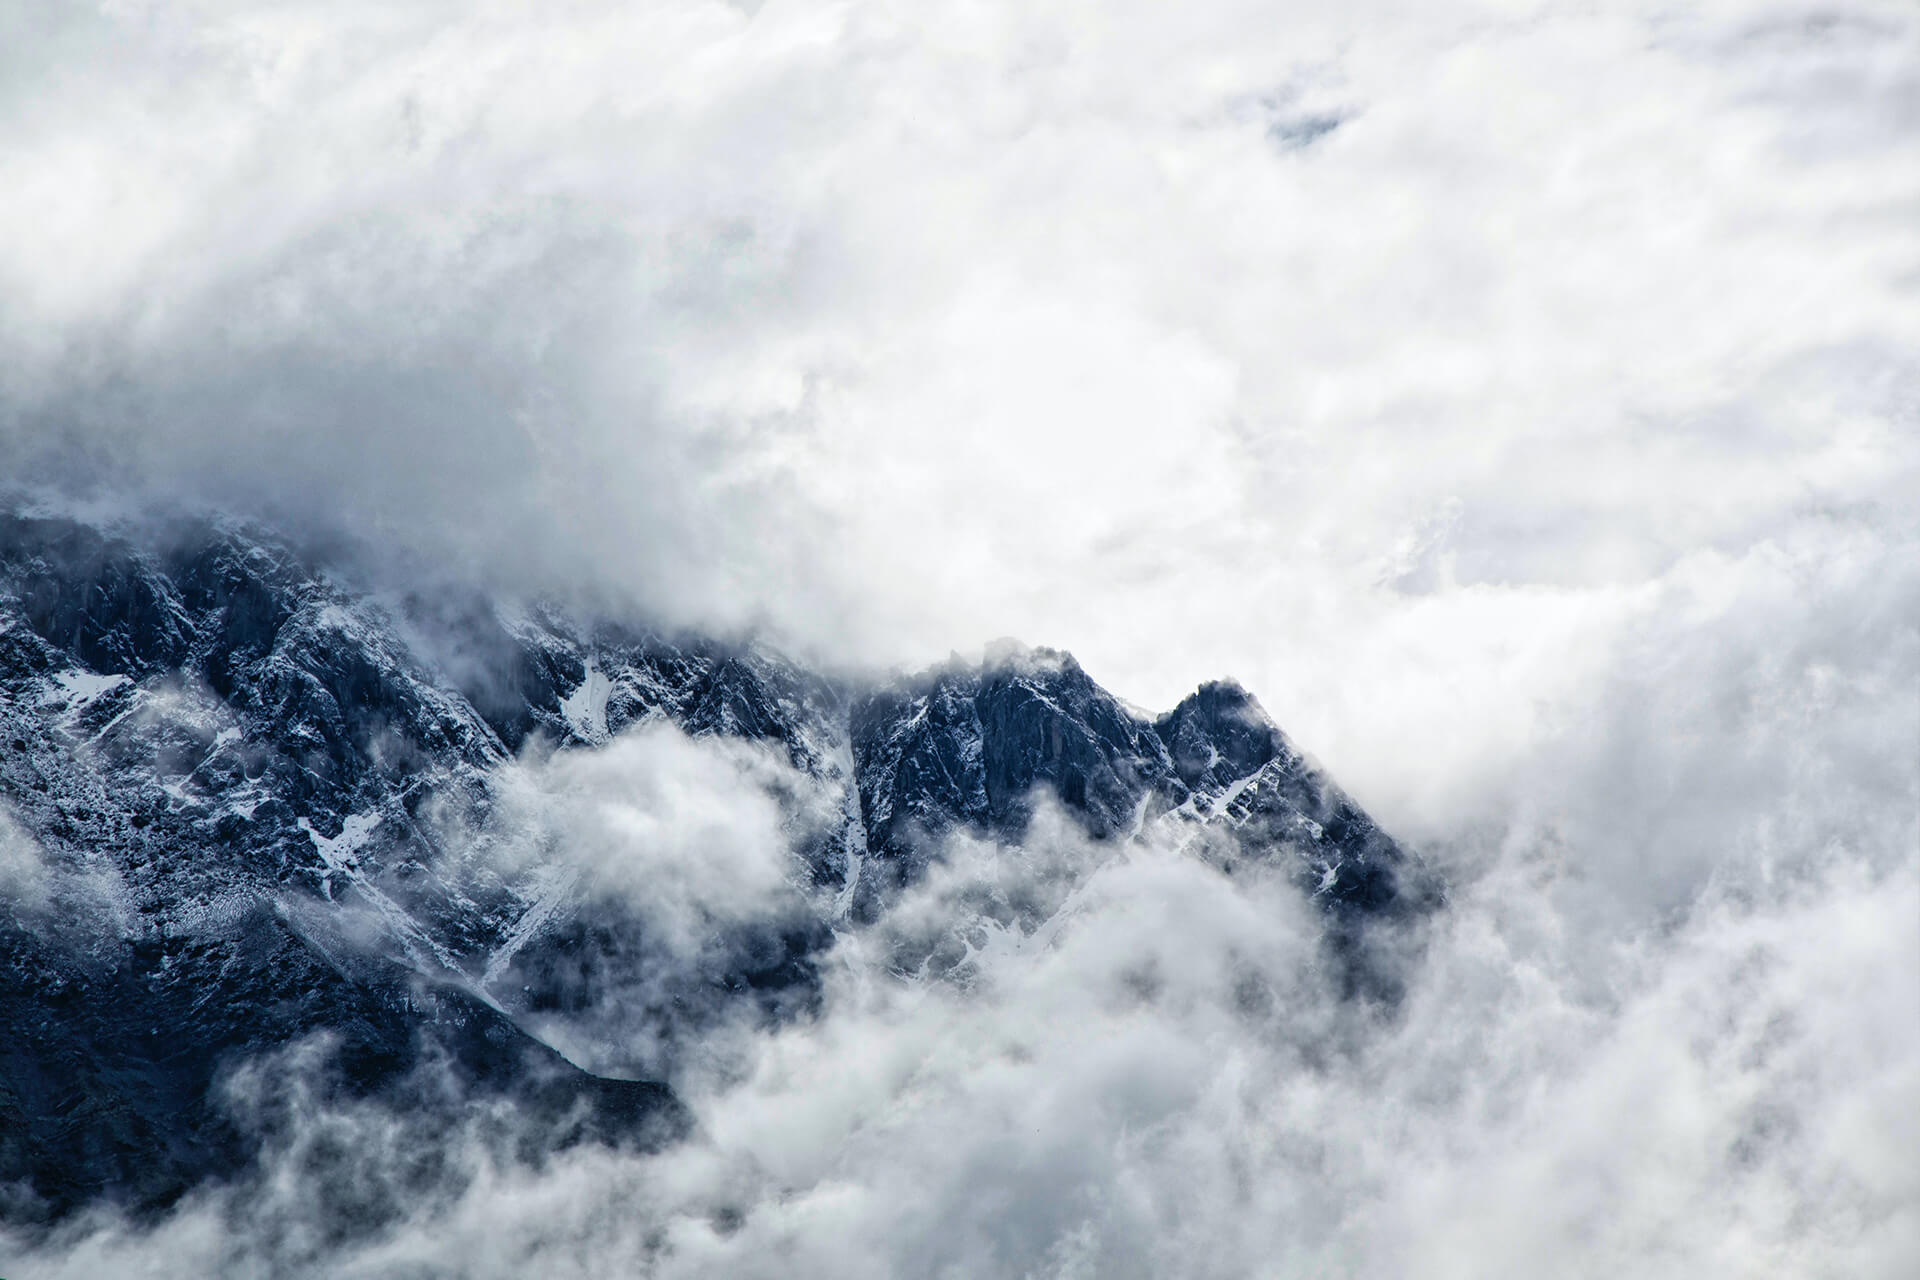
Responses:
[896,327]
[1519,397]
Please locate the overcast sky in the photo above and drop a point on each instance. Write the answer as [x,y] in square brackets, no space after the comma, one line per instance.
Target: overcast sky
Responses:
[1521,398]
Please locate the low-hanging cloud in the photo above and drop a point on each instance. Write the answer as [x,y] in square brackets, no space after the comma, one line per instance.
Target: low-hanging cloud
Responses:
[1519,397]
[678,857]
[1158,1079]
[24,874]
[73,896]
[686,833]
[1008,320]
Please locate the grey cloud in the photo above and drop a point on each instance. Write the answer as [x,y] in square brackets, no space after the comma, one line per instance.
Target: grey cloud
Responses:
[1156,1082]
[1539,444]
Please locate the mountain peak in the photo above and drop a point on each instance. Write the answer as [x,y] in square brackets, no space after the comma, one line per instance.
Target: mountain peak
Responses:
[1217,734]
[285,782]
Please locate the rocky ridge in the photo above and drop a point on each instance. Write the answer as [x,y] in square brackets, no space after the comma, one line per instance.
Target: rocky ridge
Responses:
[231,784]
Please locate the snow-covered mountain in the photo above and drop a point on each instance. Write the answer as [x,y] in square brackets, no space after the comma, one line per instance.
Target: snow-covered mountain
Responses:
[246,806]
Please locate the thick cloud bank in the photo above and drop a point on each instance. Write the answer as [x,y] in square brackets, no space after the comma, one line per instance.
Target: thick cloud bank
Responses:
[1521,398]
[1157,1082]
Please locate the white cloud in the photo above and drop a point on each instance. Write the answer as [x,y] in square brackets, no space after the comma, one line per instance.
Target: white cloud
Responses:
[25,878]
[1537,442]
[687,833]
[74,894]
[684,853]
[1010,321]
[1160,1084]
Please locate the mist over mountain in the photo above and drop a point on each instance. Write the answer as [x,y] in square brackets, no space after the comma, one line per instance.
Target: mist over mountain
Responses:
[535,871]
[508,764]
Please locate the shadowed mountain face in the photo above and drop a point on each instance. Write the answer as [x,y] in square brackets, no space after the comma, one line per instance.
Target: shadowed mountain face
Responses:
[245,806]
[972,748]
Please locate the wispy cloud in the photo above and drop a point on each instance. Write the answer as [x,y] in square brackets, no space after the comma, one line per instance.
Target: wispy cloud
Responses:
[1539,442]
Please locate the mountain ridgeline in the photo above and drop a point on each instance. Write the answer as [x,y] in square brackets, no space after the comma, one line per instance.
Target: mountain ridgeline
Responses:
[244,809]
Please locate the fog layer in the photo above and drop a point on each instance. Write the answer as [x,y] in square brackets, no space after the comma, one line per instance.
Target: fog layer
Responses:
[1521,398]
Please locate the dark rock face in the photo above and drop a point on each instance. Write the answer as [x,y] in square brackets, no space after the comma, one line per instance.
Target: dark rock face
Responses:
[967,748]
[111,1074]
[1255,786]
[240,801]
[182,739]
[1216,736]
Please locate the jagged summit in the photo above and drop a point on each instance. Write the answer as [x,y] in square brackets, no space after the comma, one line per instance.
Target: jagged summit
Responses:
[262,800]
[1217,734]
